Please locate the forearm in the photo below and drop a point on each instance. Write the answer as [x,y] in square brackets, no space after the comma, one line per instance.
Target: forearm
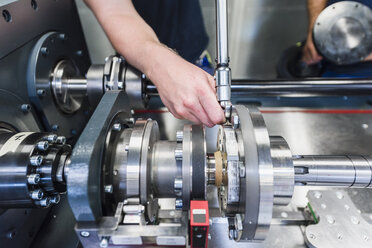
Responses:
[128,32]
[314,7]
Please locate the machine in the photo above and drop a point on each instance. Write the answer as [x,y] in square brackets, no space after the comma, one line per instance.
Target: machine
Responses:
[72,146]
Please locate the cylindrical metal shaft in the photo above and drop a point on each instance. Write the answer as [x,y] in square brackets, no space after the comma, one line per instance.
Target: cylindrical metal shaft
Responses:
[77,86]
[291,88]
[222,32]
[339,171]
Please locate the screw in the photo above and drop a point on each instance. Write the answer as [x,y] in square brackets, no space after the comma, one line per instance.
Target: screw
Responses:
[104,243]
[116,127]
[55,199]
[37,194]
[52,138]
[179,204]
[178,185]
[84,234]
[36,160]
[62,36]
[235,121]
[45,202]
[55,127]
[44,50]
[178,153]
[179,136]
[109,188]
[79,53]
[241,169]
[42,145]
[41,92]
[25,108]
[33,179]
[61,140]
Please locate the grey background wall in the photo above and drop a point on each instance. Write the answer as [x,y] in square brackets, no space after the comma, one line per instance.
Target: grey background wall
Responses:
[259,31]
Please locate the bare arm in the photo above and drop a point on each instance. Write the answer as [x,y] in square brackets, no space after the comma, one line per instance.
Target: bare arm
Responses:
[314,7]
[185,89]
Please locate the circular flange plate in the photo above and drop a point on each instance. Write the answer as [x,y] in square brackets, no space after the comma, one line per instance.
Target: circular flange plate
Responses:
[256,190]
[50,49]
[343,32]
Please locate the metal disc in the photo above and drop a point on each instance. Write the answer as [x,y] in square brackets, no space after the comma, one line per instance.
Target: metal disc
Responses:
[343,32]
[257,188]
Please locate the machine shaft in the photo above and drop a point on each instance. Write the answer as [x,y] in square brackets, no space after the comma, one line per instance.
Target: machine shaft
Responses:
[338,171]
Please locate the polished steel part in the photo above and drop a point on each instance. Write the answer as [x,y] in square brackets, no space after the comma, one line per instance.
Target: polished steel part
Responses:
[343,32]
[223,71]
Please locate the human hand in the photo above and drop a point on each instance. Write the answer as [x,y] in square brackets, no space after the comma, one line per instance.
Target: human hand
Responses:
[309,53]
[186,90]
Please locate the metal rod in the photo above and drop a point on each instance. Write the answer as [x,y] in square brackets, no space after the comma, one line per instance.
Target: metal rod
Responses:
[298,88]
[221,31]
[339,171]
[77,86]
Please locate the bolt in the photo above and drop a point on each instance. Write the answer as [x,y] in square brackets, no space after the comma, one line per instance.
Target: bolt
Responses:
[61,140]
[52,138]
[55,127]
[179,204]
[116,127]
[241,169]
[104,243]
[62,36]
[339,195]
[44,50]
[130,121]
[33,179]
[178,185]
[36,160]
[126,148]
[179,136]
[231,234]
[79,53]
[84,234]
[354,220]
[55,199]
[178,153]
[25,108]
[330,219]
[37,194]
[45,202]
[108,189]
[41,92]
[317,194]
[235,121]
[42,145]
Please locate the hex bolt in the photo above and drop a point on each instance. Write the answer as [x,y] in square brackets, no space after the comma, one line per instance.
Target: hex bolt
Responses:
[44,50]
[109,188]
[25,108]
[62,36]
[104,243]
[179,136]
[41,92]
[179,204]
[42,145]
[178,153]
[178,185]
[116,127]
[55,199]
[235,121]
[37,194]
[36,160]
[61,140]
[45,202]
[55,127]
[84,234]
[52,138]
[33,179]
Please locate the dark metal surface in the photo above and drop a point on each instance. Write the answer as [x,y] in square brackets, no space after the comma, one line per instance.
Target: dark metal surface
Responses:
[343,32]
[84,177]
[199,163]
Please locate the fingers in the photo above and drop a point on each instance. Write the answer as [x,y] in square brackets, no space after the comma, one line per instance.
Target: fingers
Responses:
[212,108]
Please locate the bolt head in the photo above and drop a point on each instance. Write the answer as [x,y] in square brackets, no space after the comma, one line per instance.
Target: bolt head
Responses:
[235,122]
[44,51]
[33,179]
[42,145]
[61,140]
[25,107]
[37,194]
[36,160]
[179,204]
[179,136]
[52,138]
[116,127]
[41,92]
[109,188]
[104,243]
[55,199]
[84,234]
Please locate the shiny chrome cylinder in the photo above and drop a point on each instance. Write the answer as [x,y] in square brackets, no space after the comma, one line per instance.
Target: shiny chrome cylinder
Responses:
[77,86]
[222,32]
[165,169]
[338,171]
